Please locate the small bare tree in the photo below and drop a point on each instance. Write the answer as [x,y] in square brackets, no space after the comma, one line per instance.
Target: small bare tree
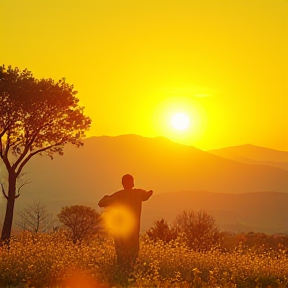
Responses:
[34,218]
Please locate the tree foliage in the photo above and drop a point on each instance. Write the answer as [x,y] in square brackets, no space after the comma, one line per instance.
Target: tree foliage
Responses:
[162,231]
[36,117]
[82,222]
[199,228]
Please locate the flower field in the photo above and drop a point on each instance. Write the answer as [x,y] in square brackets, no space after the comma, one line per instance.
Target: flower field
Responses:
[51,260]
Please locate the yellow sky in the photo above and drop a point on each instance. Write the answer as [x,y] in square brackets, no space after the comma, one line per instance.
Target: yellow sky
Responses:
[136,62]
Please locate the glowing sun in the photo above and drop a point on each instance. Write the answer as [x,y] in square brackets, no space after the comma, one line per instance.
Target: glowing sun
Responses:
[180,121]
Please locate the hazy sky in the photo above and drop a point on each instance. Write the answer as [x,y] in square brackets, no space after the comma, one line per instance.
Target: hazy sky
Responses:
[136,62]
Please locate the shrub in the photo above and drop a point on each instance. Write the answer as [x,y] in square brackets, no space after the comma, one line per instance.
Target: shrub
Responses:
[162,231]
[82,222]
[199,230]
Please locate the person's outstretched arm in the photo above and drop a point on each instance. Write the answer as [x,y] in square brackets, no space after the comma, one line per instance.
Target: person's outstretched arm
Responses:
[145,195]
[109,200]
[104,201]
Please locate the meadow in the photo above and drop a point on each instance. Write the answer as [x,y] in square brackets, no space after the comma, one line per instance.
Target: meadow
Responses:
[52,260]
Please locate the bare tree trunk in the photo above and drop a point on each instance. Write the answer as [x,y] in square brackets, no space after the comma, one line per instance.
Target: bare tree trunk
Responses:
[8,220]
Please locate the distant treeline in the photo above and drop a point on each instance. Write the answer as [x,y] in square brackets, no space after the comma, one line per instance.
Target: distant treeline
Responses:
[197,230]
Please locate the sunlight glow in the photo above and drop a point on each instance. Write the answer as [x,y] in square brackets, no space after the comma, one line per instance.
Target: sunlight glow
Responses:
[180,121]
[75,278]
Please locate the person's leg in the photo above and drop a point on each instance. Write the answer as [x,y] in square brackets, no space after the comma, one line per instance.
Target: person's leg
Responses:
[134,249]
[120,252]
[121,275]
[127,251]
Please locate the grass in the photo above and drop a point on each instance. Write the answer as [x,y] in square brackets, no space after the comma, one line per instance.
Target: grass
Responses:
[51,260]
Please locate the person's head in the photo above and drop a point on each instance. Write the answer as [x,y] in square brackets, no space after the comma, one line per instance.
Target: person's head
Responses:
[128,181]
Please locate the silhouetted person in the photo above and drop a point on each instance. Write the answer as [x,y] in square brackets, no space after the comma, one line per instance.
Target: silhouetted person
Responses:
[129,199]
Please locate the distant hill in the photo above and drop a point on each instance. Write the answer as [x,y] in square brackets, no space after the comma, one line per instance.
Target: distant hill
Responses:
[156,163]
[85,174]
[264,212]
[250,154]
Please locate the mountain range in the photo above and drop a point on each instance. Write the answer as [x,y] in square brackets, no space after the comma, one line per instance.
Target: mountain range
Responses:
[264,212]
[178,174]
[250,154]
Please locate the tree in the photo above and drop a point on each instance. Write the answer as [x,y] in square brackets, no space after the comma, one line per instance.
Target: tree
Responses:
[199,229]
[162,231]
[82,222]
[36,117]
[34,218]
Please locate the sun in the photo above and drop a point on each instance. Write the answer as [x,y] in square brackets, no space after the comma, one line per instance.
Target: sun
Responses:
[180,121]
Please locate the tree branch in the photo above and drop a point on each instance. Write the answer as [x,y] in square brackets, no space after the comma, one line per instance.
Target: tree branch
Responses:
[4,131]
[1,148]
[26,150]
[4,154]
[3,191]
[18,190]
[34,153]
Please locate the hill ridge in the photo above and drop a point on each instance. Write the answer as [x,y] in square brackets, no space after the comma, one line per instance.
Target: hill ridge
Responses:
[88,173]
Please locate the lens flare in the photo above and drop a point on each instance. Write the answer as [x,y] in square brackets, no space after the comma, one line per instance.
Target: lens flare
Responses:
[119,221]
[74,278]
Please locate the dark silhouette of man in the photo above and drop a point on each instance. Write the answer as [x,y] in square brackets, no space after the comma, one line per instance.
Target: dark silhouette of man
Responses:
[130,199]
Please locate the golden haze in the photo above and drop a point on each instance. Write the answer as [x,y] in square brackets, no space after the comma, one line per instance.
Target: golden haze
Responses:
[132,61]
